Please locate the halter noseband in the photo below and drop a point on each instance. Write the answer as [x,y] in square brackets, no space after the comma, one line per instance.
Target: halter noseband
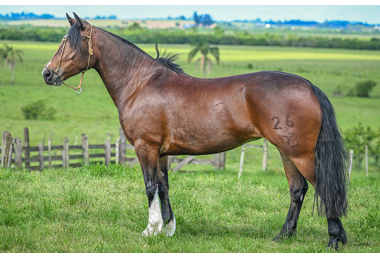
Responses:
[90,53]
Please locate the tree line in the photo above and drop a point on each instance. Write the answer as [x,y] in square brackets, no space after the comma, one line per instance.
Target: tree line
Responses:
[191,36]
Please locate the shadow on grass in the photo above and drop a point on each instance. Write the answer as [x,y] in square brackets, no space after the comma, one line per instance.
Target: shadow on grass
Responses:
[202,226]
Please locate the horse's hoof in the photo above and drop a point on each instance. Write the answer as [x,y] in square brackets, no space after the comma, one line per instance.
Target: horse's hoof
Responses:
[152,230]
[335,239]
[332,246]
[282,235]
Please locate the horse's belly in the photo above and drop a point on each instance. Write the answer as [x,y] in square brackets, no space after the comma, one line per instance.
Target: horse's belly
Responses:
[206,141]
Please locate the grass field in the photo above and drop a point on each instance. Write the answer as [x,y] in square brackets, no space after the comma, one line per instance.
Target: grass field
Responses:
[104,209]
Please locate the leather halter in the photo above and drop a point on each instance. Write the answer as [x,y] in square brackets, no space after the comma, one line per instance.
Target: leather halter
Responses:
[90,53]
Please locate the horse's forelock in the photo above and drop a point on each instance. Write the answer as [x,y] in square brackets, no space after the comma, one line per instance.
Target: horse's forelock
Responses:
[74,37]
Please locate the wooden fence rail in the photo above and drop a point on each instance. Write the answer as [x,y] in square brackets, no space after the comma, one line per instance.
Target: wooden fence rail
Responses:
[16,155]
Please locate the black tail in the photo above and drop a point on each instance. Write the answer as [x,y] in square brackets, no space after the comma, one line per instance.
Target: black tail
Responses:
[331,158]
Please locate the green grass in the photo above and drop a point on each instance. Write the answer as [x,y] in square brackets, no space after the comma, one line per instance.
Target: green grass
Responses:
[104,209]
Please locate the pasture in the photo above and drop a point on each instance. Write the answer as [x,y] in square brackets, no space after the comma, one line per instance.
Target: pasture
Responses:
[99,209]
[104,209]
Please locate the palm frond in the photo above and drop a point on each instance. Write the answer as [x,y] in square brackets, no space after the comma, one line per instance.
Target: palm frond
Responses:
[215,52]
[192,53]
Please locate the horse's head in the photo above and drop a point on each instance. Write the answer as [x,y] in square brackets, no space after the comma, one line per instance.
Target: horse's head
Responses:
[73,54]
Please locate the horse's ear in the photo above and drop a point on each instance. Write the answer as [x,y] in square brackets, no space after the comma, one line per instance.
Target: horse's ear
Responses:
[79,22]
[71,20]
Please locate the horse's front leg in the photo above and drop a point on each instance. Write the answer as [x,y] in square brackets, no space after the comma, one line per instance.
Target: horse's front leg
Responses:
[163,193]
[148,156]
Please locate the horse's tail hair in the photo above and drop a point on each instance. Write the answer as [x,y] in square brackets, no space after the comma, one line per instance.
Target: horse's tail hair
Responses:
[331,163]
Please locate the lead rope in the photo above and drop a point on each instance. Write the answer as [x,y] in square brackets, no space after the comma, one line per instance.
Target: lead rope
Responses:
[90,52]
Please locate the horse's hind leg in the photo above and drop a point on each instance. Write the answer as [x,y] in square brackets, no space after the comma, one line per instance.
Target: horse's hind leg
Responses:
[335,226]
[297,189]
[163,193]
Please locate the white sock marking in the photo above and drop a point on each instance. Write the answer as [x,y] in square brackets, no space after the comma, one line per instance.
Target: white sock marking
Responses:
[170,228]
[155,221]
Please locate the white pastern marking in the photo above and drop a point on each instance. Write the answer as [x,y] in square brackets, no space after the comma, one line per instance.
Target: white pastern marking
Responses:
[170,228]
[155,221]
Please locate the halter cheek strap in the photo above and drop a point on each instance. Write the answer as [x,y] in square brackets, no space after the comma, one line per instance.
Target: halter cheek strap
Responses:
[90,53]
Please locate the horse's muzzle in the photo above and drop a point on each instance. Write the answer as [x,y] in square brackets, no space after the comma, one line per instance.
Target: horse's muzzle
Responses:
[51,78]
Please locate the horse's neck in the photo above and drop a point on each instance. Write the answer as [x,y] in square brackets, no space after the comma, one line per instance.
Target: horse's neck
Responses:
[121,66]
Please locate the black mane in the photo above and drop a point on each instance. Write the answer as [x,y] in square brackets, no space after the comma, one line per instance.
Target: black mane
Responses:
[168,59]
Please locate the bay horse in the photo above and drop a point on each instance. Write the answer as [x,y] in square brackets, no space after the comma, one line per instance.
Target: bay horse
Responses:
[164,111]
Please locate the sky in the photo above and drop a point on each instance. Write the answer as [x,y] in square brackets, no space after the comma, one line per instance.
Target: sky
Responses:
[356,11]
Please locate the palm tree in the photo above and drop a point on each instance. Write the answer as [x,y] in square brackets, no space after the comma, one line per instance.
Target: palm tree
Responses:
[204,48]
[10,55]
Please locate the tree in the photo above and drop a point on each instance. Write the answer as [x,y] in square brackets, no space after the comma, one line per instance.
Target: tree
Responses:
[196,19]
[204,48]
[11,55]
[203,19]
[207,20]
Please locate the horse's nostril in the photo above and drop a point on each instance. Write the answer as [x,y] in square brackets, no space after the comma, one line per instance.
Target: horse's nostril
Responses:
[48,74]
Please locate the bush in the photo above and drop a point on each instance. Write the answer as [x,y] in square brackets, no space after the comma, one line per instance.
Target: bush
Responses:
[38,110]
[362,88]
[358,137]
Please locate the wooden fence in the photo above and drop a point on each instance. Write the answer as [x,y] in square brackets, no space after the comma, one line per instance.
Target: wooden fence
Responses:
[16,155]
[265,155]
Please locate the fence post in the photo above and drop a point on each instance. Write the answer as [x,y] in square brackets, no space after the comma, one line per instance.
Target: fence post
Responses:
[26,145]
[107,151]
[18,153]
[241,161]
[86,155]
[40,155]
[219,161]
[65,153]
[10,154]
[265,154]
[366,161]
[216,161]
[350,164]
[223,160]
[49,151]
[117,151]
[123,147]
[6,142]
